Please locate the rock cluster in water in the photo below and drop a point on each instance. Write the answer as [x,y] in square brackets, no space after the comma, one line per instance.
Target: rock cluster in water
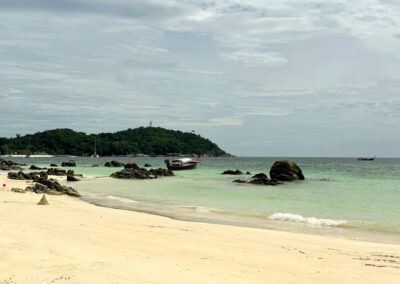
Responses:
[70,163]
[45,185]
[9,165]
[132,171]
[114,164]
[280,171]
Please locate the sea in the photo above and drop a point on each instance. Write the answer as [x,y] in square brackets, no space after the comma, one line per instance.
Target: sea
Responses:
[340,197]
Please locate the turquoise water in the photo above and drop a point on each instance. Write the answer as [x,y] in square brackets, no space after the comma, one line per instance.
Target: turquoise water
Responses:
[337,192]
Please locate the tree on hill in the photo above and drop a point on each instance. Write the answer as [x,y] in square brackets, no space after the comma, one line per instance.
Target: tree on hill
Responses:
[146,140]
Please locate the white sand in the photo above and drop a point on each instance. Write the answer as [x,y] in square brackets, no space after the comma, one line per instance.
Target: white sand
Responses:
[70,241]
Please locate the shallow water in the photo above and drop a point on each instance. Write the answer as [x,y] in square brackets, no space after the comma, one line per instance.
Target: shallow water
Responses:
[338,192]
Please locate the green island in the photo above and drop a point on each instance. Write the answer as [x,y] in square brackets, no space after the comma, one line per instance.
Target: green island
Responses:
[141,140]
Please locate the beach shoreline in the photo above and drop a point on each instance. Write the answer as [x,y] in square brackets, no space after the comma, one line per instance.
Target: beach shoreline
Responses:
[77,242]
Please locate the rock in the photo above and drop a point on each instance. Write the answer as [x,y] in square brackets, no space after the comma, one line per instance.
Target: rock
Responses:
[231,172]
[260,175]
[43,201]
[131,166]
[113,164]
[39,188]
[70,173]
[96,165]
[53,165]
[56,172]
[12,175]
[147,165]
[240,181]
[248,173]
[18,190]
[264,181]
[33,167]
[9,165]
[72,178]
[142,173]
[70,163]
[286,171]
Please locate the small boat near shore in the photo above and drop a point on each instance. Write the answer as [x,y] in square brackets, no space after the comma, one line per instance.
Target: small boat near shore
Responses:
[366,158]
[182,164]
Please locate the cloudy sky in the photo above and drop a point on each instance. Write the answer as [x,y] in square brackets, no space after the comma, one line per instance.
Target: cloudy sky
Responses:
[260,78]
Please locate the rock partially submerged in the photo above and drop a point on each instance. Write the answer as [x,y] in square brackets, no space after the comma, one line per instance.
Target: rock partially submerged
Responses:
[9,165]
[70,163]
[53,165]
[114,164]
[286,171]
[147,165]
[131,166]
[232,172]
[34,167]
[131,173]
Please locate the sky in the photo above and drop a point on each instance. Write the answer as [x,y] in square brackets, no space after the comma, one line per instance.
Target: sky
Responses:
[259,78]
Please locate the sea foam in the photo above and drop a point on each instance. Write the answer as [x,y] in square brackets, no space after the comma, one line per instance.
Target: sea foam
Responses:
[121,199]
[288,217]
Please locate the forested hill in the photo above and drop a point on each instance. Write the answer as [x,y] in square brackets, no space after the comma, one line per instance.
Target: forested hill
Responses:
[145,140]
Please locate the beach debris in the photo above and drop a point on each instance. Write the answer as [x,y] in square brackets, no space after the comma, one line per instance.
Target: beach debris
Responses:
[131,166]
[70,163]
[18,190]
[114,164]
[232,172]
[43,201]
[142,173]
[286,171]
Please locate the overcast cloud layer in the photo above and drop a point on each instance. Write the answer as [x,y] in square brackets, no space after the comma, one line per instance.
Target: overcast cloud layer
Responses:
[261,78]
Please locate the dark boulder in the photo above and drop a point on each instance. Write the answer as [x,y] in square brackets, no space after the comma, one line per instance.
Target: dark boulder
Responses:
[95,165]
[33,167]
[147,165]
[56,172]
[231,172]
[72,178]
[70,163]
[53,165]
[264,181]
[248,173]
[286,171]
[114,164]
[132,166]
[142,173]
[260,175]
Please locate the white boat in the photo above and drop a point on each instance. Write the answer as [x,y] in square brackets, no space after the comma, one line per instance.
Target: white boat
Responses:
[95,155]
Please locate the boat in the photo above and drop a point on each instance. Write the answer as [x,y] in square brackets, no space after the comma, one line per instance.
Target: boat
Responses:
[366,158]
[95,155]
[182,164]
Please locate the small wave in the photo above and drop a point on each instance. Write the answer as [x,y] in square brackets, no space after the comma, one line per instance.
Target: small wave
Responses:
[288,217]
[196,208]
[112,197]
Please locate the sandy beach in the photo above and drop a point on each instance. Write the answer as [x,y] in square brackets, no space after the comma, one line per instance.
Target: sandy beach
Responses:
[70,241]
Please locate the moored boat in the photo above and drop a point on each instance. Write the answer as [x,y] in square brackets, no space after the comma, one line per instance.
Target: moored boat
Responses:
[366,158]
[182,164]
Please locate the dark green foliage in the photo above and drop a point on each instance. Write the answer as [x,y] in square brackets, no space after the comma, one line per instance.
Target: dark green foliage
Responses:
[146,140]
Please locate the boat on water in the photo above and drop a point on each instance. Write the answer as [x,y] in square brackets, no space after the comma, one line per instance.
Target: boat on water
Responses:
[95,155]
[366,158]
[182,164]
